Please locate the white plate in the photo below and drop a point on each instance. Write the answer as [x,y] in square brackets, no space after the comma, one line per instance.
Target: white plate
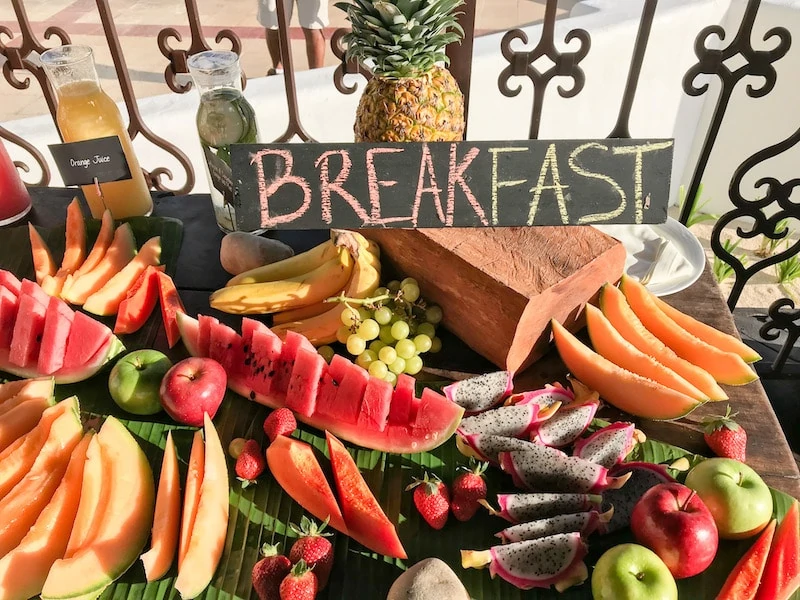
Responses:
[684,242]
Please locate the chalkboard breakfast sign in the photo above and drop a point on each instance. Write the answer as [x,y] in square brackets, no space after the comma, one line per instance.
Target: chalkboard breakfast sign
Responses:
[444,184]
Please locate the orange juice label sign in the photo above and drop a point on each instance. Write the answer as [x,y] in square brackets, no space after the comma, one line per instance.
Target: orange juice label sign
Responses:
[100,160]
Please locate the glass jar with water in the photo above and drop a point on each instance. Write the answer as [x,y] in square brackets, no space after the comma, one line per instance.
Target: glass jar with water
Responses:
[225,117]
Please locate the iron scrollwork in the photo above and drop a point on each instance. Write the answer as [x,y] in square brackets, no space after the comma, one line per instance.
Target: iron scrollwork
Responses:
[782,316]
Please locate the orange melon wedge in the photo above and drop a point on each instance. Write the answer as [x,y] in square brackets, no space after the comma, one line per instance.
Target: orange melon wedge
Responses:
[107,299]
[708,334]
[627,391]
[609,344]
[92,499]
[211,524]
[75,246]
[616,309]
[166,523]
[725,367]
[22,419]
[194,480]
[31,388]
[11,389]
[101,245]
[79,287]
[53,284]
[43,263]
[20,508]
[23,570]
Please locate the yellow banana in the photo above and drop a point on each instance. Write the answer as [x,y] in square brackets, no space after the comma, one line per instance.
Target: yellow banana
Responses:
[288,268]
[321,329]
[274,296]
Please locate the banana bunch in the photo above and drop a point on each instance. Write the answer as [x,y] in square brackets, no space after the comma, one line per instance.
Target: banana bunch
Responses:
[295,289]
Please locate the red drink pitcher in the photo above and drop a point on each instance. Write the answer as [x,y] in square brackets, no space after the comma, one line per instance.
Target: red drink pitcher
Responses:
[15,202]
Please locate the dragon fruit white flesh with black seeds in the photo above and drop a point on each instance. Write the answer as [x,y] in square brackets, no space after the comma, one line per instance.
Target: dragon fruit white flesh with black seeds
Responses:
[521,508]
[554,560]
[510,421]
[607,446]
[547,396]
[566,425]
[487,447]
[480,393]
[584,523]
[547,469]
[643,476]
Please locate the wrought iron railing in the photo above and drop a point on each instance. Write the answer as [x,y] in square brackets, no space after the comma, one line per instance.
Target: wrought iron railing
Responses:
[21,68]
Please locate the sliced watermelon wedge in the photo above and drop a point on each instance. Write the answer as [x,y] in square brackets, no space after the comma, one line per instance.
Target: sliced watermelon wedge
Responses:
[9,305]
[57,325]
[29,288]
[264,354]
[301,395]
[350,395]
[291,344]
[329,387]
[742,583]
[374,411]
[86,338]
[9,281]
[28,328]
[781,576]
[222,341]
[206,324]
[402,398]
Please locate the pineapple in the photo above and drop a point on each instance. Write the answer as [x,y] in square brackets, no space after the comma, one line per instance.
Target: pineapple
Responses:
[411,98]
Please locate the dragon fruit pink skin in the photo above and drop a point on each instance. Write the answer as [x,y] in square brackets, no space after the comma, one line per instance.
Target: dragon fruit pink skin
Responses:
[540,563]
[547,469]
[643,476]
[487,447]
[584,523]
[480,393]
[521,508]
[566,425]
[607,446]
[509,421]
[544,397]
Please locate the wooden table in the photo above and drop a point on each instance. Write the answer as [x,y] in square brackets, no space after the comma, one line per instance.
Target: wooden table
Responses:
[200,272]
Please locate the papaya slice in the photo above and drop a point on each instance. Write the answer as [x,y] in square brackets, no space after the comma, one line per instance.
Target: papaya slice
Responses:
[616,309]
[166,523]
[43,263]
[23,570]
[742,583]
[627,391]
[75,246]
[781,575]
[91,501]
[725,367]
[194,480]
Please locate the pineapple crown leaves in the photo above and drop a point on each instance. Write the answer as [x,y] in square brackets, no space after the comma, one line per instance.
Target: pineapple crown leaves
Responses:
[268,550]
[401,38]
[721,422]
[431,483]
[475,467]
[309,528]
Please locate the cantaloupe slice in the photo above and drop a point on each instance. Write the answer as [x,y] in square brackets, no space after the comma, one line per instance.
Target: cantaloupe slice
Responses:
[17,459]
[31,388]
[20,508]
[107,299]
[616,309]
[16,423]
[211,523]
[43,263]
[166,523]
[101,245]
[78,287]
[126,517]
[53,284]
[24,569]
[711,336]
[75,246]
[191,499]
[627,391]
[10,389]
[725,367]
[88,517]
[609,344]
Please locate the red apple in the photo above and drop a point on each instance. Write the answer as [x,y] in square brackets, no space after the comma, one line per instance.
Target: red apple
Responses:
[674,522]
[192,387]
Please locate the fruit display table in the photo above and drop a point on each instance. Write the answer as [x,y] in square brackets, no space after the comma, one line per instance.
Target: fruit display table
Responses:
[263,512]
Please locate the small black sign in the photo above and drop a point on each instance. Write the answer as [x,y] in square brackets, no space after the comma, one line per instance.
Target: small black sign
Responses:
[80,163]
[221,176]
[443,184]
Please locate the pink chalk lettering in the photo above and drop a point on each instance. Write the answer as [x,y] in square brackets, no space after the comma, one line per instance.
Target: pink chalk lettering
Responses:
[326,186]
[374,185]
[456,176]
[268,188]
[426,168]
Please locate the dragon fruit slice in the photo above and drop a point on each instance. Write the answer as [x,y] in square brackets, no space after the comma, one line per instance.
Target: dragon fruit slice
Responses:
[566,426]
[584,523]
[480,393]
[487,447]
[643,476]
[553,560]
[549,395]
[521,508]
[545,468]
[510,421]
[607,446]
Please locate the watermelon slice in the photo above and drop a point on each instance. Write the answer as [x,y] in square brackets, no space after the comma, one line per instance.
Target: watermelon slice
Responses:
[374,411]
[29,288]
[350,395]
[292,343]
[206,324]
[28,328]
[9,304]
[329,387]
[781,576]
[301,395]
[190,333]
[742,583]
[264,354]
[400,409]
[86,338]
[9,281]
[171,305]
[57,325]
[222,342]
[249,327]
[366,522]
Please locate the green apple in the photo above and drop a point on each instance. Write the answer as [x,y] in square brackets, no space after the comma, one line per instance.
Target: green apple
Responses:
[135,380]
[632,572]
[737,497]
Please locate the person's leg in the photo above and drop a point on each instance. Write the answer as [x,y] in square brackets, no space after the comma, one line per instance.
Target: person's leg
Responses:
[313,16]
[274,48]
[315,47]
[268,17]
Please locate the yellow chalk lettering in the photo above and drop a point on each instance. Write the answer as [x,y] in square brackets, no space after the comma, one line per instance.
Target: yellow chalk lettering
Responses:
[496,183]
[638,151]
[575,166]
[550,164]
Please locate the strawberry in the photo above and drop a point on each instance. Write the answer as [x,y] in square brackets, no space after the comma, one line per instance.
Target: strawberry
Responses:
[299,584]
[468,488]
[432,499]
[269,572]
[279,422]
[313,548]
[725,436]
[251,463]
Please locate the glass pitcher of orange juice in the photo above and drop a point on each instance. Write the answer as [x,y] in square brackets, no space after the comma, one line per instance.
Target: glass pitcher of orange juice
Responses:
[86,112]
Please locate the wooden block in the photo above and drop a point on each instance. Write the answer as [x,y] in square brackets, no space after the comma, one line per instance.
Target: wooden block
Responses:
[500,287]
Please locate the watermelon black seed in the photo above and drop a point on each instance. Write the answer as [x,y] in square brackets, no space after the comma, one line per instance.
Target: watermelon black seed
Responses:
[252,395]
[246,348]
[39,339]
[247,362]
[271,373]
[230,346]
[335,383]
